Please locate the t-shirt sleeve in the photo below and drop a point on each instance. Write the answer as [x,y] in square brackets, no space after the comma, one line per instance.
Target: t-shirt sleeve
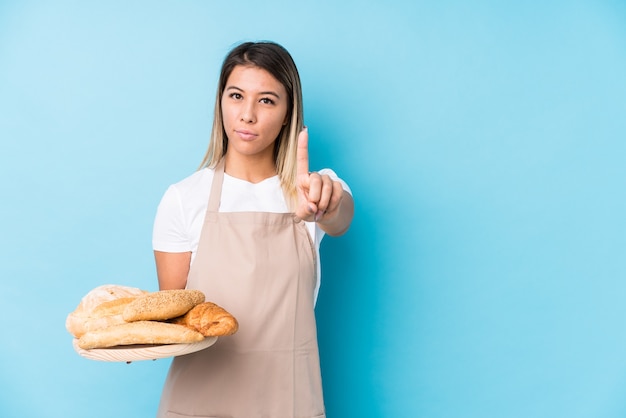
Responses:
[170,226]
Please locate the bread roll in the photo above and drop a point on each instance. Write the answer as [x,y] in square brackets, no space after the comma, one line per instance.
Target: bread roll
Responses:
[139,332]
[162,305]
[99,308]
[209,319]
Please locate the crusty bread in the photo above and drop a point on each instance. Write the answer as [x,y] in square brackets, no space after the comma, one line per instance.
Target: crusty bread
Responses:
[106,314]
[209,319]
[112,307]
[107,293]
[100,307]
[162,305]
[139,332]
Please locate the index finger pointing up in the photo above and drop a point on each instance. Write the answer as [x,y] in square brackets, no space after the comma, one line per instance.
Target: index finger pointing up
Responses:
[302,156]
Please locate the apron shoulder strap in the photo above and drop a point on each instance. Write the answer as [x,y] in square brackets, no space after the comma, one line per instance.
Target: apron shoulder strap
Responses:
[216,187]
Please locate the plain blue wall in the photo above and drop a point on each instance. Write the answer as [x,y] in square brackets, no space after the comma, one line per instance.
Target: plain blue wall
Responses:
[485,272]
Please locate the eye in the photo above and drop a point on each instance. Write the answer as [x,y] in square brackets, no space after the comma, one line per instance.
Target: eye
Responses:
[235,96]
[267,100]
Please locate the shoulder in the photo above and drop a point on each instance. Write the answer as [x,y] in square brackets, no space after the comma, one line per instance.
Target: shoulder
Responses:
[180,212]
[195,183]
[187,195]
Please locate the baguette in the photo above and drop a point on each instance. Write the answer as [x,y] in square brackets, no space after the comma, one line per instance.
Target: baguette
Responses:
[107,314]
[162,305]
[209,319]
[139,332]
[100,307]
[112,307]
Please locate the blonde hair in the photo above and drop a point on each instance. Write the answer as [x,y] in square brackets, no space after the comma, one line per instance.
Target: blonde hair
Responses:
[276,60]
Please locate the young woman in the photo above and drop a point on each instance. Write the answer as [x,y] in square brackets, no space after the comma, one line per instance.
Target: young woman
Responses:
[246,229]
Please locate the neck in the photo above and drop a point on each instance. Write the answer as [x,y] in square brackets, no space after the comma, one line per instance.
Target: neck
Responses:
[249,168]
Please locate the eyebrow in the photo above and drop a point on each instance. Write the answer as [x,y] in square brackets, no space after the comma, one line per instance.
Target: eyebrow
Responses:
[271,93]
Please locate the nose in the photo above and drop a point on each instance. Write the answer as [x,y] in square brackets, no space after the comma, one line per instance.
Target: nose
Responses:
[248,113]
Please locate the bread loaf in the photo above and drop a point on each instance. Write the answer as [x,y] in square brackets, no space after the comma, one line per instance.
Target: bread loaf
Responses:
[102,306]
[112,307]
[139,332]
[209,319]
[162,305]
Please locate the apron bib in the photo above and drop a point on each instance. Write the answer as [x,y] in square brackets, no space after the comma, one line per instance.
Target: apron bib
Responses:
[261,267]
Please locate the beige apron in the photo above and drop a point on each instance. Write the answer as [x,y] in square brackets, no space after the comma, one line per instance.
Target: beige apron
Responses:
[261,267]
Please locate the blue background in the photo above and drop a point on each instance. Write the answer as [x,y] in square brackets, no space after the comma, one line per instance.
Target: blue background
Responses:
[485,272]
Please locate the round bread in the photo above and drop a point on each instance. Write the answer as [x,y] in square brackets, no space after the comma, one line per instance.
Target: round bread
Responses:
[162,305]
[106,293]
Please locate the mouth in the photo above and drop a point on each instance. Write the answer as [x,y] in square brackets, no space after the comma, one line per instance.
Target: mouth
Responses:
[245,134]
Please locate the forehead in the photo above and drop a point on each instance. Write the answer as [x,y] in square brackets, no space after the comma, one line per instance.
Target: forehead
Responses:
[254,79]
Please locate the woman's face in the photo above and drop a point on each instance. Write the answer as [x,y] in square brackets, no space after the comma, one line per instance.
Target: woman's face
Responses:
[254,109]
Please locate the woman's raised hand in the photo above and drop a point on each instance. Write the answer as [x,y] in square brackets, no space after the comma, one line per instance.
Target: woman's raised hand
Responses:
[319,196]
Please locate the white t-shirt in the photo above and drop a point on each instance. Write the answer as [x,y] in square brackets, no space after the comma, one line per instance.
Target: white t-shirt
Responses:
[180,215]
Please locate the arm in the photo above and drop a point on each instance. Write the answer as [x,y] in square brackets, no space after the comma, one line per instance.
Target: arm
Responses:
[321,198]
[172,269]
[170,241]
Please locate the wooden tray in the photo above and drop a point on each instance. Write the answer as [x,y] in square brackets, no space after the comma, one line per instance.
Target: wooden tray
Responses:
[128,353]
